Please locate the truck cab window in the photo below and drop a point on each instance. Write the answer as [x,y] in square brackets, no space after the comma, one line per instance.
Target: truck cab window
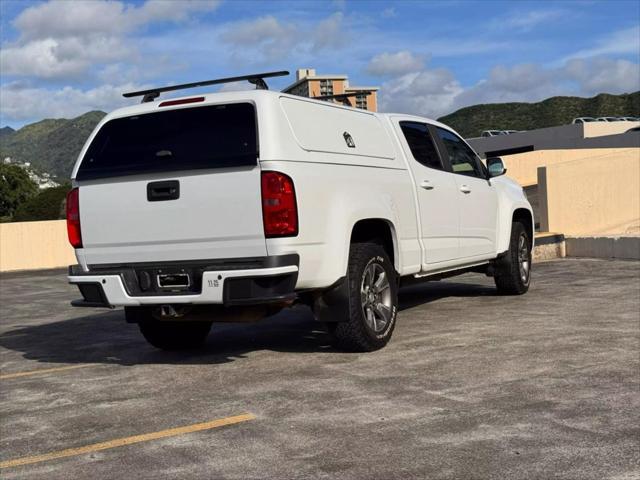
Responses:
[463,160]
[421,144]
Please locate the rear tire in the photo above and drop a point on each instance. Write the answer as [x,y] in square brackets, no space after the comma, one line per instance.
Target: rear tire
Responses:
[513,271]
[373,300]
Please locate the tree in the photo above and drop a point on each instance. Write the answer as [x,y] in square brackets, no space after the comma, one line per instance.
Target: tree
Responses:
[46,205]
[15,188]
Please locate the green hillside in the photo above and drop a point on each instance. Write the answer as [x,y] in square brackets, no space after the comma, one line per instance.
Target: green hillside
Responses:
[471,121]
[50,145]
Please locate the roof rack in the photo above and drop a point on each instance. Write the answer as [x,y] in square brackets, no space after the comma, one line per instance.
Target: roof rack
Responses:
[342,97]
[256,79]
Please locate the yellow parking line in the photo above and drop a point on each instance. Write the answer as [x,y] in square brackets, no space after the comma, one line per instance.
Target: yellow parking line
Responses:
[42,371]
[120,442]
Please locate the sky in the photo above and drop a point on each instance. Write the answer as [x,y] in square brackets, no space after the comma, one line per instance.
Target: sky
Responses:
[61,58]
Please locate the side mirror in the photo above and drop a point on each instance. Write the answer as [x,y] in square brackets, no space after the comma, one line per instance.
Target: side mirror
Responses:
[495,167]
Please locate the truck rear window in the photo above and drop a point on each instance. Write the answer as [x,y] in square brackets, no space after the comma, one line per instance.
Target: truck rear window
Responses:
[216,136]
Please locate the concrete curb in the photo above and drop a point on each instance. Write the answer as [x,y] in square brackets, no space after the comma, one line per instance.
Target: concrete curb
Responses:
[621,247]
[548,245]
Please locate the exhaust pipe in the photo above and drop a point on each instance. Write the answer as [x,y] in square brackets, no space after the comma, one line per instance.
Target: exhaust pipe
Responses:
[167,311]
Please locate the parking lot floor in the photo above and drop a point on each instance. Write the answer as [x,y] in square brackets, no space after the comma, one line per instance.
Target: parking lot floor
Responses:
[473,385]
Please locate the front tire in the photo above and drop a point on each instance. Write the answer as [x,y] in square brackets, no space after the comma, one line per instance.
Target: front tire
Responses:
[513,273]
[373,300]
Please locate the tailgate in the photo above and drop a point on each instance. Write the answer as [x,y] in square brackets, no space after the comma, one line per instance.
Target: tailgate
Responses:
[173,185]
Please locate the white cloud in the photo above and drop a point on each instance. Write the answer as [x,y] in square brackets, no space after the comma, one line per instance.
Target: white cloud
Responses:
[329,33]
[622,42]
[430,92]
[51,58]
[464,47]
[263,29]
[520,83]
[388,13]
[436,92]
[88,17]
[526,21]
[64,39]
[604,75]
[20,102]
[530,82]
[271,39]
[390,64]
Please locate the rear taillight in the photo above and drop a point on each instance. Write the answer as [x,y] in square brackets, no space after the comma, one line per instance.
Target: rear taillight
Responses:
[279,211]
[73,218]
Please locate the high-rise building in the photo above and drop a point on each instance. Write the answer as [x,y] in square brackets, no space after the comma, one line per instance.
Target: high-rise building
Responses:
[308,84]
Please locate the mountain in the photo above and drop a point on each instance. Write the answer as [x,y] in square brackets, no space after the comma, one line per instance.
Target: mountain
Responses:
[471,121]
[6,131]
[50,145]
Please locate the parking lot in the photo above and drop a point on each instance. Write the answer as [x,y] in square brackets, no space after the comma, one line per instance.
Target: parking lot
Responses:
[473,385]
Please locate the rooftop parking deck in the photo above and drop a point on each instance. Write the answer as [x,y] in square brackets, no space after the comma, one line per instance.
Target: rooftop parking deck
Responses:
[472,385]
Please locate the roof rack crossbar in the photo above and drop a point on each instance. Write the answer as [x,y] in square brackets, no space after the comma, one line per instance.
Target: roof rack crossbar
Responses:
[342,97]
[256,79]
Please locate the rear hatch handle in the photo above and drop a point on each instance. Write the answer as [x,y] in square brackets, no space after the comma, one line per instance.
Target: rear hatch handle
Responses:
[165,190]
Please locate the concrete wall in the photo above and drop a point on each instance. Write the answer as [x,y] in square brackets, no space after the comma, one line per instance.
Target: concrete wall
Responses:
[592,195]
[623,247]
[601,129]
[34,245]
[523,167]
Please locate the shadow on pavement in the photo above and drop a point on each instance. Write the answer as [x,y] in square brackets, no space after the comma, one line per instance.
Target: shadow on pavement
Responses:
[107,338]
[421,293]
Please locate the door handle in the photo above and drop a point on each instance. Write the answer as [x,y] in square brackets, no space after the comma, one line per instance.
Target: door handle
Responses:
[427,185]
[465,189]
[161,191]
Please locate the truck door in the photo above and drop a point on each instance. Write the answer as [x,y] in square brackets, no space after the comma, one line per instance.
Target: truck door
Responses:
[477,199]
[437,195]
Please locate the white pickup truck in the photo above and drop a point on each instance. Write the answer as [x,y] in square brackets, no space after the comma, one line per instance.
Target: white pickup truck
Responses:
[231,206]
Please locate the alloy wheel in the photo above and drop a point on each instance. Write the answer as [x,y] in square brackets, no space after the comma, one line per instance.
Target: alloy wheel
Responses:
[375,294]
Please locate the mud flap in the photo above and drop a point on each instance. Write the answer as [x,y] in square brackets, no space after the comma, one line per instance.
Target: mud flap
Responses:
[333,305]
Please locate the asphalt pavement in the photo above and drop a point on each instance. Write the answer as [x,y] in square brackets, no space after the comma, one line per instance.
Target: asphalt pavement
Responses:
[472,386]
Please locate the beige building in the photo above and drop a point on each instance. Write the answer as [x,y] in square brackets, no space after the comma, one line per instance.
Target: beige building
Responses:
[581,179]
[308,84]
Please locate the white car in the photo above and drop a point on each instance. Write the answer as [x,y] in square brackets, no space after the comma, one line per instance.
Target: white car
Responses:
[608,119]
[492,133]
[231,206]
[584,120]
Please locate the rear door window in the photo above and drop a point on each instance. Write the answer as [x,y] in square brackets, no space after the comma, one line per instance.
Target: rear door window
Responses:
[215,136]
[422,147]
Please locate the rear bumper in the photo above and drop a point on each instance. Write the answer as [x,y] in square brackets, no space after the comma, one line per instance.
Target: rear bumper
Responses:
[227,282]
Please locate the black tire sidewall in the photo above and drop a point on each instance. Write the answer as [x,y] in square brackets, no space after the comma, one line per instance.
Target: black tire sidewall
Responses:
[508,279]
[367,254]
[518,231]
